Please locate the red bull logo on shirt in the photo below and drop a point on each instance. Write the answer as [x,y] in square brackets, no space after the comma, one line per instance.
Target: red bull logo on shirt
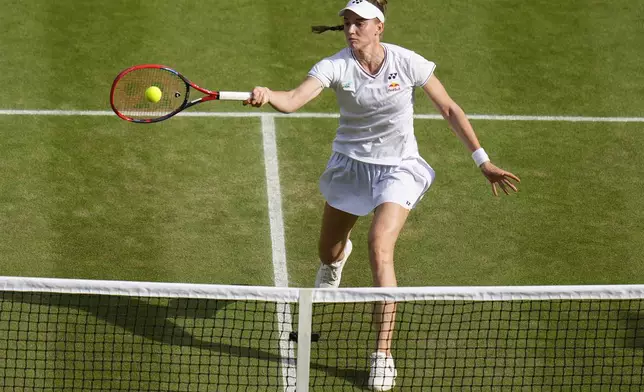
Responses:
[393,86]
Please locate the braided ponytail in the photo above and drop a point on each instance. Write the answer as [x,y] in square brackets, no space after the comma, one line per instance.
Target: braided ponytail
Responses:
[322,29]
[381,4]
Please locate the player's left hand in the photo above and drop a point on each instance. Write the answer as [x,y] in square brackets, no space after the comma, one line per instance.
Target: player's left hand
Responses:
[500,177]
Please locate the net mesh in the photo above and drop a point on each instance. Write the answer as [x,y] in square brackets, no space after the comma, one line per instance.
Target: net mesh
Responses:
[72,342]
[528,345]
[227,338]
[129,96]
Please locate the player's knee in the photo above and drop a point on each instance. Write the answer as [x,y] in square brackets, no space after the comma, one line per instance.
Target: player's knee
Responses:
[381,250]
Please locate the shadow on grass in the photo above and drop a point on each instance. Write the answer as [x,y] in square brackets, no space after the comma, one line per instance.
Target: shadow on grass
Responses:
[354,376]
[633,324]
[153,321]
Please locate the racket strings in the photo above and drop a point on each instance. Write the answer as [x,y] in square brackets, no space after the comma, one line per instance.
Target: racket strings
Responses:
[130,99]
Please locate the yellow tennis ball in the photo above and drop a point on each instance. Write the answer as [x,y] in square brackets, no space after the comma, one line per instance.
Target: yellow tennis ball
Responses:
[153,94]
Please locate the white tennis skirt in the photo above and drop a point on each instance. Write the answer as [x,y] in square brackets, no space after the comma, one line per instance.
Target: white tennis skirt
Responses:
[358,187]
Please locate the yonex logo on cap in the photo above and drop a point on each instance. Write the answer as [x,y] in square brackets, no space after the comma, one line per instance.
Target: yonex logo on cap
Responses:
[364,9]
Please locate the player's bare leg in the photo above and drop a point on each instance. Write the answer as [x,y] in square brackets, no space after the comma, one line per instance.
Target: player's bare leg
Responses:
[388,221]
[334,245]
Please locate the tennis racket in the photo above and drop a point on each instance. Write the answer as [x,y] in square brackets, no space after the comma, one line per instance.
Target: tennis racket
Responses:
[129,101]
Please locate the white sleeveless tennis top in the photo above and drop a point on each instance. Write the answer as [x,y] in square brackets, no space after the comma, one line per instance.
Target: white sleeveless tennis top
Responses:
[376,111]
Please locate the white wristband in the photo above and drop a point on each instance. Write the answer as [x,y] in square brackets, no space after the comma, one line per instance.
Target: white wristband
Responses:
[480,157]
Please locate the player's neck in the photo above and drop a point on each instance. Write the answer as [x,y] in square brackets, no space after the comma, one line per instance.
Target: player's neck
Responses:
[371,58]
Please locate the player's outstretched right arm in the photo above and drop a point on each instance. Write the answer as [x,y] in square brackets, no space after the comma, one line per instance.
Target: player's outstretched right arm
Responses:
[286,101]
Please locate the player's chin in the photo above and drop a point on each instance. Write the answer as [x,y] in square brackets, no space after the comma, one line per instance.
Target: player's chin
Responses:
[353,44]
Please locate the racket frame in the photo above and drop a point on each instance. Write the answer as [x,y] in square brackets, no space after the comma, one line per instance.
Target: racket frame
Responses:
[209,94]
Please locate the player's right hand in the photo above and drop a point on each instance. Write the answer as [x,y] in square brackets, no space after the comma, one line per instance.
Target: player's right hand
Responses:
[260,97]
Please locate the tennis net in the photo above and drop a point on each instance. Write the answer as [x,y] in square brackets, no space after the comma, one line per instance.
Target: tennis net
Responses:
[81,335]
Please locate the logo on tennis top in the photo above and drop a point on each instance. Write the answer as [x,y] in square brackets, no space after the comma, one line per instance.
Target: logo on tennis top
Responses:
[393,84]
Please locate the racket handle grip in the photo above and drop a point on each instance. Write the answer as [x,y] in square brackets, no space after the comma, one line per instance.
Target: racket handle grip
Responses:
[233,96]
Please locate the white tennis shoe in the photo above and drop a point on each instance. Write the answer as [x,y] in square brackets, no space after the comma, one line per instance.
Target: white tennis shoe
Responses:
[329,275]
[382,376]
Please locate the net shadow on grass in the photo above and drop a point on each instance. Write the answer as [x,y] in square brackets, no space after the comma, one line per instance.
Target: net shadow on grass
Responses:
[357,377]
[634,327]
[154,321]
[142,318]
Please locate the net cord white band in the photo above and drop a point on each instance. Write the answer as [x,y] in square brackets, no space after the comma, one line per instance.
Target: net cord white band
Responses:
[292,295]
[149,289]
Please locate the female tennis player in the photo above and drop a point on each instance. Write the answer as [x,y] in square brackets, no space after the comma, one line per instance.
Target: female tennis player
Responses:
[375,164]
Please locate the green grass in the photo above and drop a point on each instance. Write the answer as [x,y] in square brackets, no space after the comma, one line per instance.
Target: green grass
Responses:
[102,199]
[578,58]
[574,221]
[185,200]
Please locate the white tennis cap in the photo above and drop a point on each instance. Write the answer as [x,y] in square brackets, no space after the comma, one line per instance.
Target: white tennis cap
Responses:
[364,9]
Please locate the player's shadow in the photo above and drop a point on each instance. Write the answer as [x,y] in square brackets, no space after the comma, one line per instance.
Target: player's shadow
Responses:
[357,377]
[144,318]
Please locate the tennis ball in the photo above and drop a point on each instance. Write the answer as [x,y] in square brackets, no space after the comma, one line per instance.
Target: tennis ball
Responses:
[153,94]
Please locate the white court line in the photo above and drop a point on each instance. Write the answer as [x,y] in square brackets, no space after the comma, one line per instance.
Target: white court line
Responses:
[280,272]
[491,117]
